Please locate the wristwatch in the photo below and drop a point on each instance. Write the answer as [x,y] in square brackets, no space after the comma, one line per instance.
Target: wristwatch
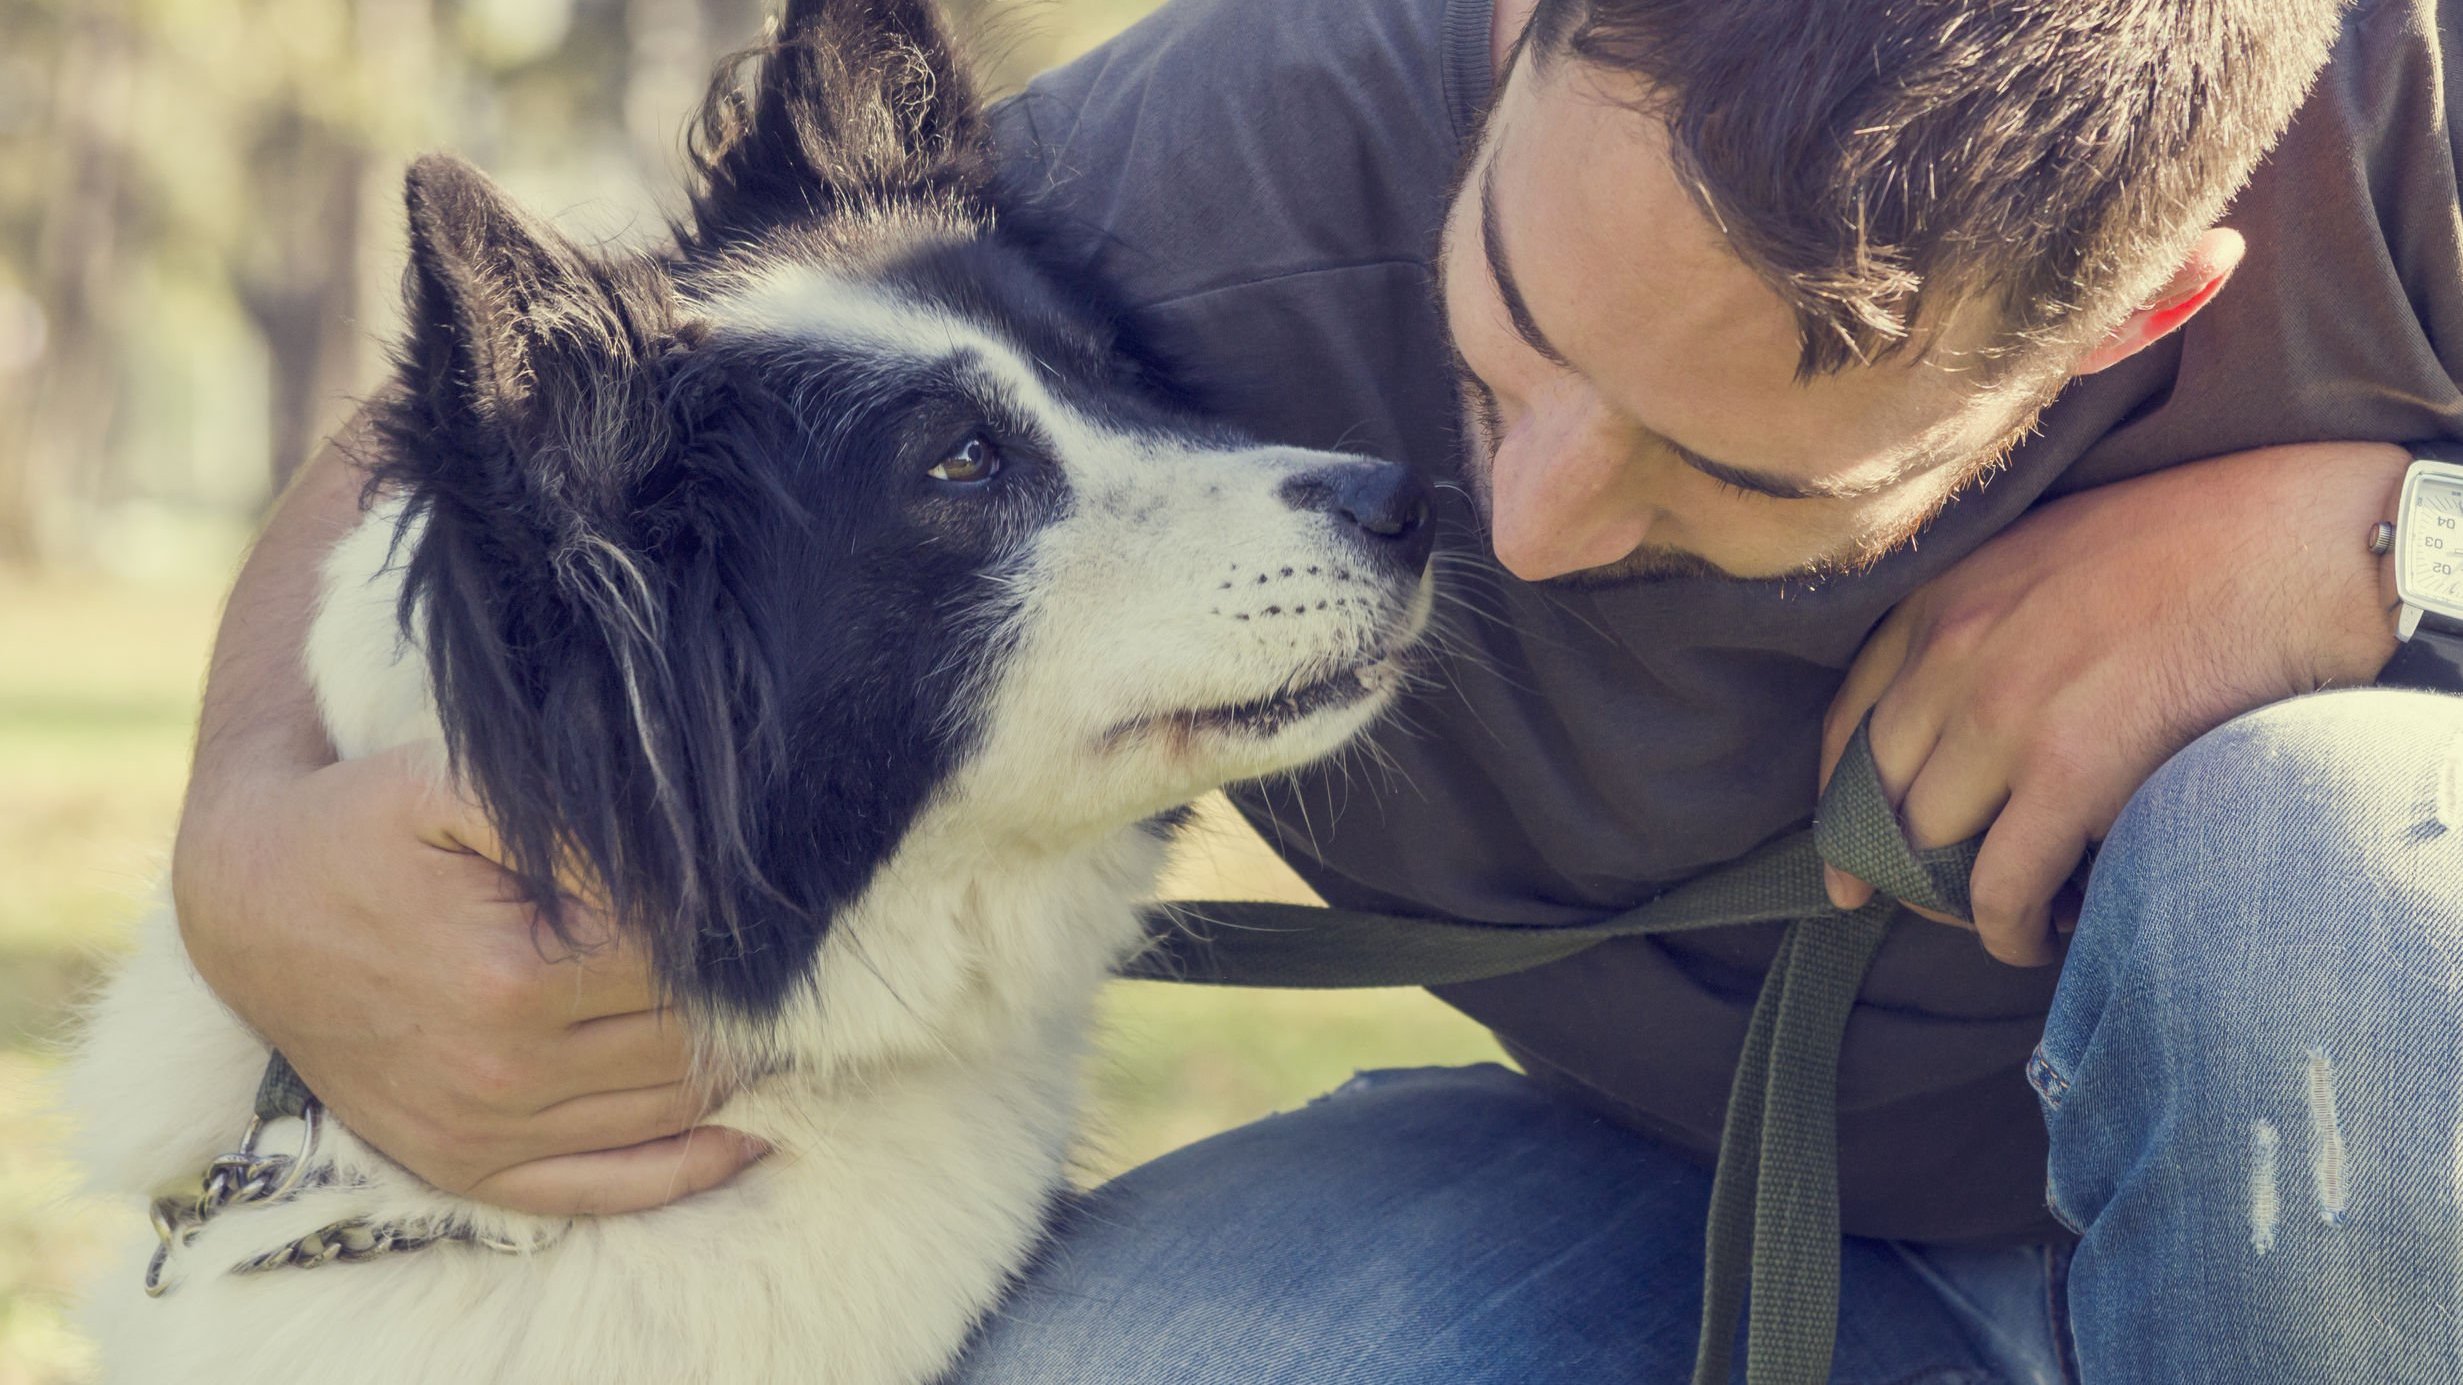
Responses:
[2426,539]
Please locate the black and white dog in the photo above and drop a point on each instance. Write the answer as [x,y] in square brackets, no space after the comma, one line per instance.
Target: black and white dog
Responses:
[835,592]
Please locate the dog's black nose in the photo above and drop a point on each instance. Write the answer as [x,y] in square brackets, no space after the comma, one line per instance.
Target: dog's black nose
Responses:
[1382,501]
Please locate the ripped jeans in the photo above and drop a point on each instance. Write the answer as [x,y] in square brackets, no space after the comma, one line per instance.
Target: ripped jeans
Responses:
[2253,1070]
[2253,1076]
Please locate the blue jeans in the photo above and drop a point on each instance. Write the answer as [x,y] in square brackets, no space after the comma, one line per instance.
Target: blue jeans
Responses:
[2251,1080]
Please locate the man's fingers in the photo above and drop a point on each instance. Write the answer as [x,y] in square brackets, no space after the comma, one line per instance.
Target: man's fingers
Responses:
[1960,792]
[449,820]
[1876,665]
[609,980]
[600,972]
[1906,731]
[597,974]
[646,1048]
[1957,794]
[633,1179]
[613,1120]
[2029,853]
[1900,758]
[440,814]
[1845,891]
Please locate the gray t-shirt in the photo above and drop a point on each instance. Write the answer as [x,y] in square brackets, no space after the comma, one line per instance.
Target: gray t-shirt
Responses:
[1265,179]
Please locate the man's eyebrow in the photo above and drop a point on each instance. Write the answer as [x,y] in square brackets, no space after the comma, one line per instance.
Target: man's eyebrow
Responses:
[1493,245]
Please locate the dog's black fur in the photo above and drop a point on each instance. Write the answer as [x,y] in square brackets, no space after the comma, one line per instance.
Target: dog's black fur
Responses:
[701,649]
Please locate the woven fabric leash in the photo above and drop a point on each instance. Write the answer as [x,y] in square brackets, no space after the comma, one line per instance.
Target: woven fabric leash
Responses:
[1774,1216]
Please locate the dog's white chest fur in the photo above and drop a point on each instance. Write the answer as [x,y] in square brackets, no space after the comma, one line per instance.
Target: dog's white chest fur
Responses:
[910,1174]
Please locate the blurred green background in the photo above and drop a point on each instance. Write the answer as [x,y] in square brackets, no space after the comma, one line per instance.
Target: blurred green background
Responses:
[199,253]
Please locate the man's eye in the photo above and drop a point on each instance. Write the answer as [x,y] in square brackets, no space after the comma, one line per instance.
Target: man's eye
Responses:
[976,460]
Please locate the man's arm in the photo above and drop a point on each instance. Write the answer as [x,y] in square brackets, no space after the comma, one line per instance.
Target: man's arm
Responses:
[350,912]
[2026,693]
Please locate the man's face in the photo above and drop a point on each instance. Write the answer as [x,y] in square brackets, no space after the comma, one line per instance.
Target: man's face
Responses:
[1629,385]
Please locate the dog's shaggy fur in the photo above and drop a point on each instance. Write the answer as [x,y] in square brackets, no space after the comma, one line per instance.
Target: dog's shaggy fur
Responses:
[835,593]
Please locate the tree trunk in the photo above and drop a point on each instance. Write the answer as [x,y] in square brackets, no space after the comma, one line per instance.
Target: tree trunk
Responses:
[302,291]
[668,50]
[52,469]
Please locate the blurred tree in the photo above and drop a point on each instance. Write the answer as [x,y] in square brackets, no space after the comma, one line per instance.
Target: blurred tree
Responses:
[200,223]
[67,238]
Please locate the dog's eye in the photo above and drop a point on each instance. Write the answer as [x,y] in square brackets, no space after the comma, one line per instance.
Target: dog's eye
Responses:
[976,460]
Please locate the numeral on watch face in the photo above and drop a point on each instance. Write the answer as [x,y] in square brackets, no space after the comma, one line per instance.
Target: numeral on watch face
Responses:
[2433,551]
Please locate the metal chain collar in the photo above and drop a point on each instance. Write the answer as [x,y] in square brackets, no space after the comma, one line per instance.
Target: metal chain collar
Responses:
[246,1177]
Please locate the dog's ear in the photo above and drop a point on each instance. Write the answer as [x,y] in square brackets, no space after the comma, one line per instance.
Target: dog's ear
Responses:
[489,289]
[850,101]
[527,365]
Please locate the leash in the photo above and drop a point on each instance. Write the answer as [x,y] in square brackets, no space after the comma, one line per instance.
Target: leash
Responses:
[1773,1231]
[1774,1215]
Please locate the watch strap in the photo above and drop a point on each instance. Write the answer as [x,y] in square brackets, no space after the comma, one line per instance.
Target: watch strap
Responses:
[2432,658]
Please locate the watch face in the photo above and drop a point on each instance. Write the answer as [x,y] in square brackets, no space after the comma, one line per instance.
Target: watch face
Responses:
[2432,542]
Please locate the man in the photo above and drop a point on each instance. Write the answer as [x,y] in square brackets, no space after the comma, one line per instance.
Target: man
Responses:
[1750,313]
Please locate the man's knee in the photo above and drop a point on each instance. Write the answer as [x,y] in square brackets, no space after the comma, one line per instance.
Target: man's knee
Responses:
[2272,865]
[2338,798]
[2325,772]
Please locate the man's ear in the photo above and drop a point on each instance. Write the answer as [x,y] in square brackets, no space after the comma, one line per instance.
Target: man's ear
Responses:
[853,101]
[2192,286]
[487,288]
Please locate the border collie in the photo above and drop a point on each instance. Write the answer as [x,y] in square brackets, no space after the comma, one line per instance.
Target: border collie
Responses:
[834,592]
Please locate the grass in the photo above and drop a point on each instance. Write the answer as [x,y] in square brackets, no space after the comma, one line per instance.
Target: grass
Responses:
[98,686]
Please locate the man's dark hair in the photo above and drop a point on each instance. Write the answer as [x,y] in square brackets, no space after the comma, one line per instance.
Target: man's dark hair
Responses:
[1878,160]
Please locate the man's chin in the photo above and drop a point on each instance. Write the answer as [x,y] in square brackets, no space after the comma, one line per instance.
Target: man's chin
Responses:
[1652,564]
[1645,565]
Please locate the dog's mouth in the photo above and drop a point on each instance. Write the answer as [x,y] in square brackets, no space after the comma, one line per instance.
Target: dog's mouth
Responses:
[1266,717]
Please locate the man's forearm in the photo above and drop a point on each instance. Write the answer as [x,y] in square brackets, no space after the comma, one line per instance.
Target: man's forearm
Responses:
[2336,595]
[259,709]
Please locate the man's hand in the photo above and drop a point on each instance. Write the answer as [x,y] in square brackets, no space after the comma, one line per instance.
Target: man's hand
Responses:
[352,915]
[2029,690]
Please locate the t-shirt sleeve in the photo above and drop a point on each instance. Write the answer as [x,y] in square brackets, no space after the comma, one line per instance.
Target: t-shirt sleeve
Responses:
[1219,142]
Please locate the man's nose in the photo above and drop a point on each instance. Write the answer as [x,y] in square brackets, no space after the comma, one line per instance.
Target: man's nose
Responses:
[1562,499]
[1381,503]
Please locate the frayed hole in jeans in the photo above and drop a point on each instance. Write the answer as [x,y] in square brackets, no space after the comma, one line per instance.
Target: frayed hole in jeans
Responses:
[2265,1194]
[2050,1086]
[2328,1163]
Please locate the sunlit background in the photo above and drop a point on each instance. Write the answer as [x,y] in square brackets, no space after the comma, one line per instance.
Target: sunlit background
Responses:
[200,251]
